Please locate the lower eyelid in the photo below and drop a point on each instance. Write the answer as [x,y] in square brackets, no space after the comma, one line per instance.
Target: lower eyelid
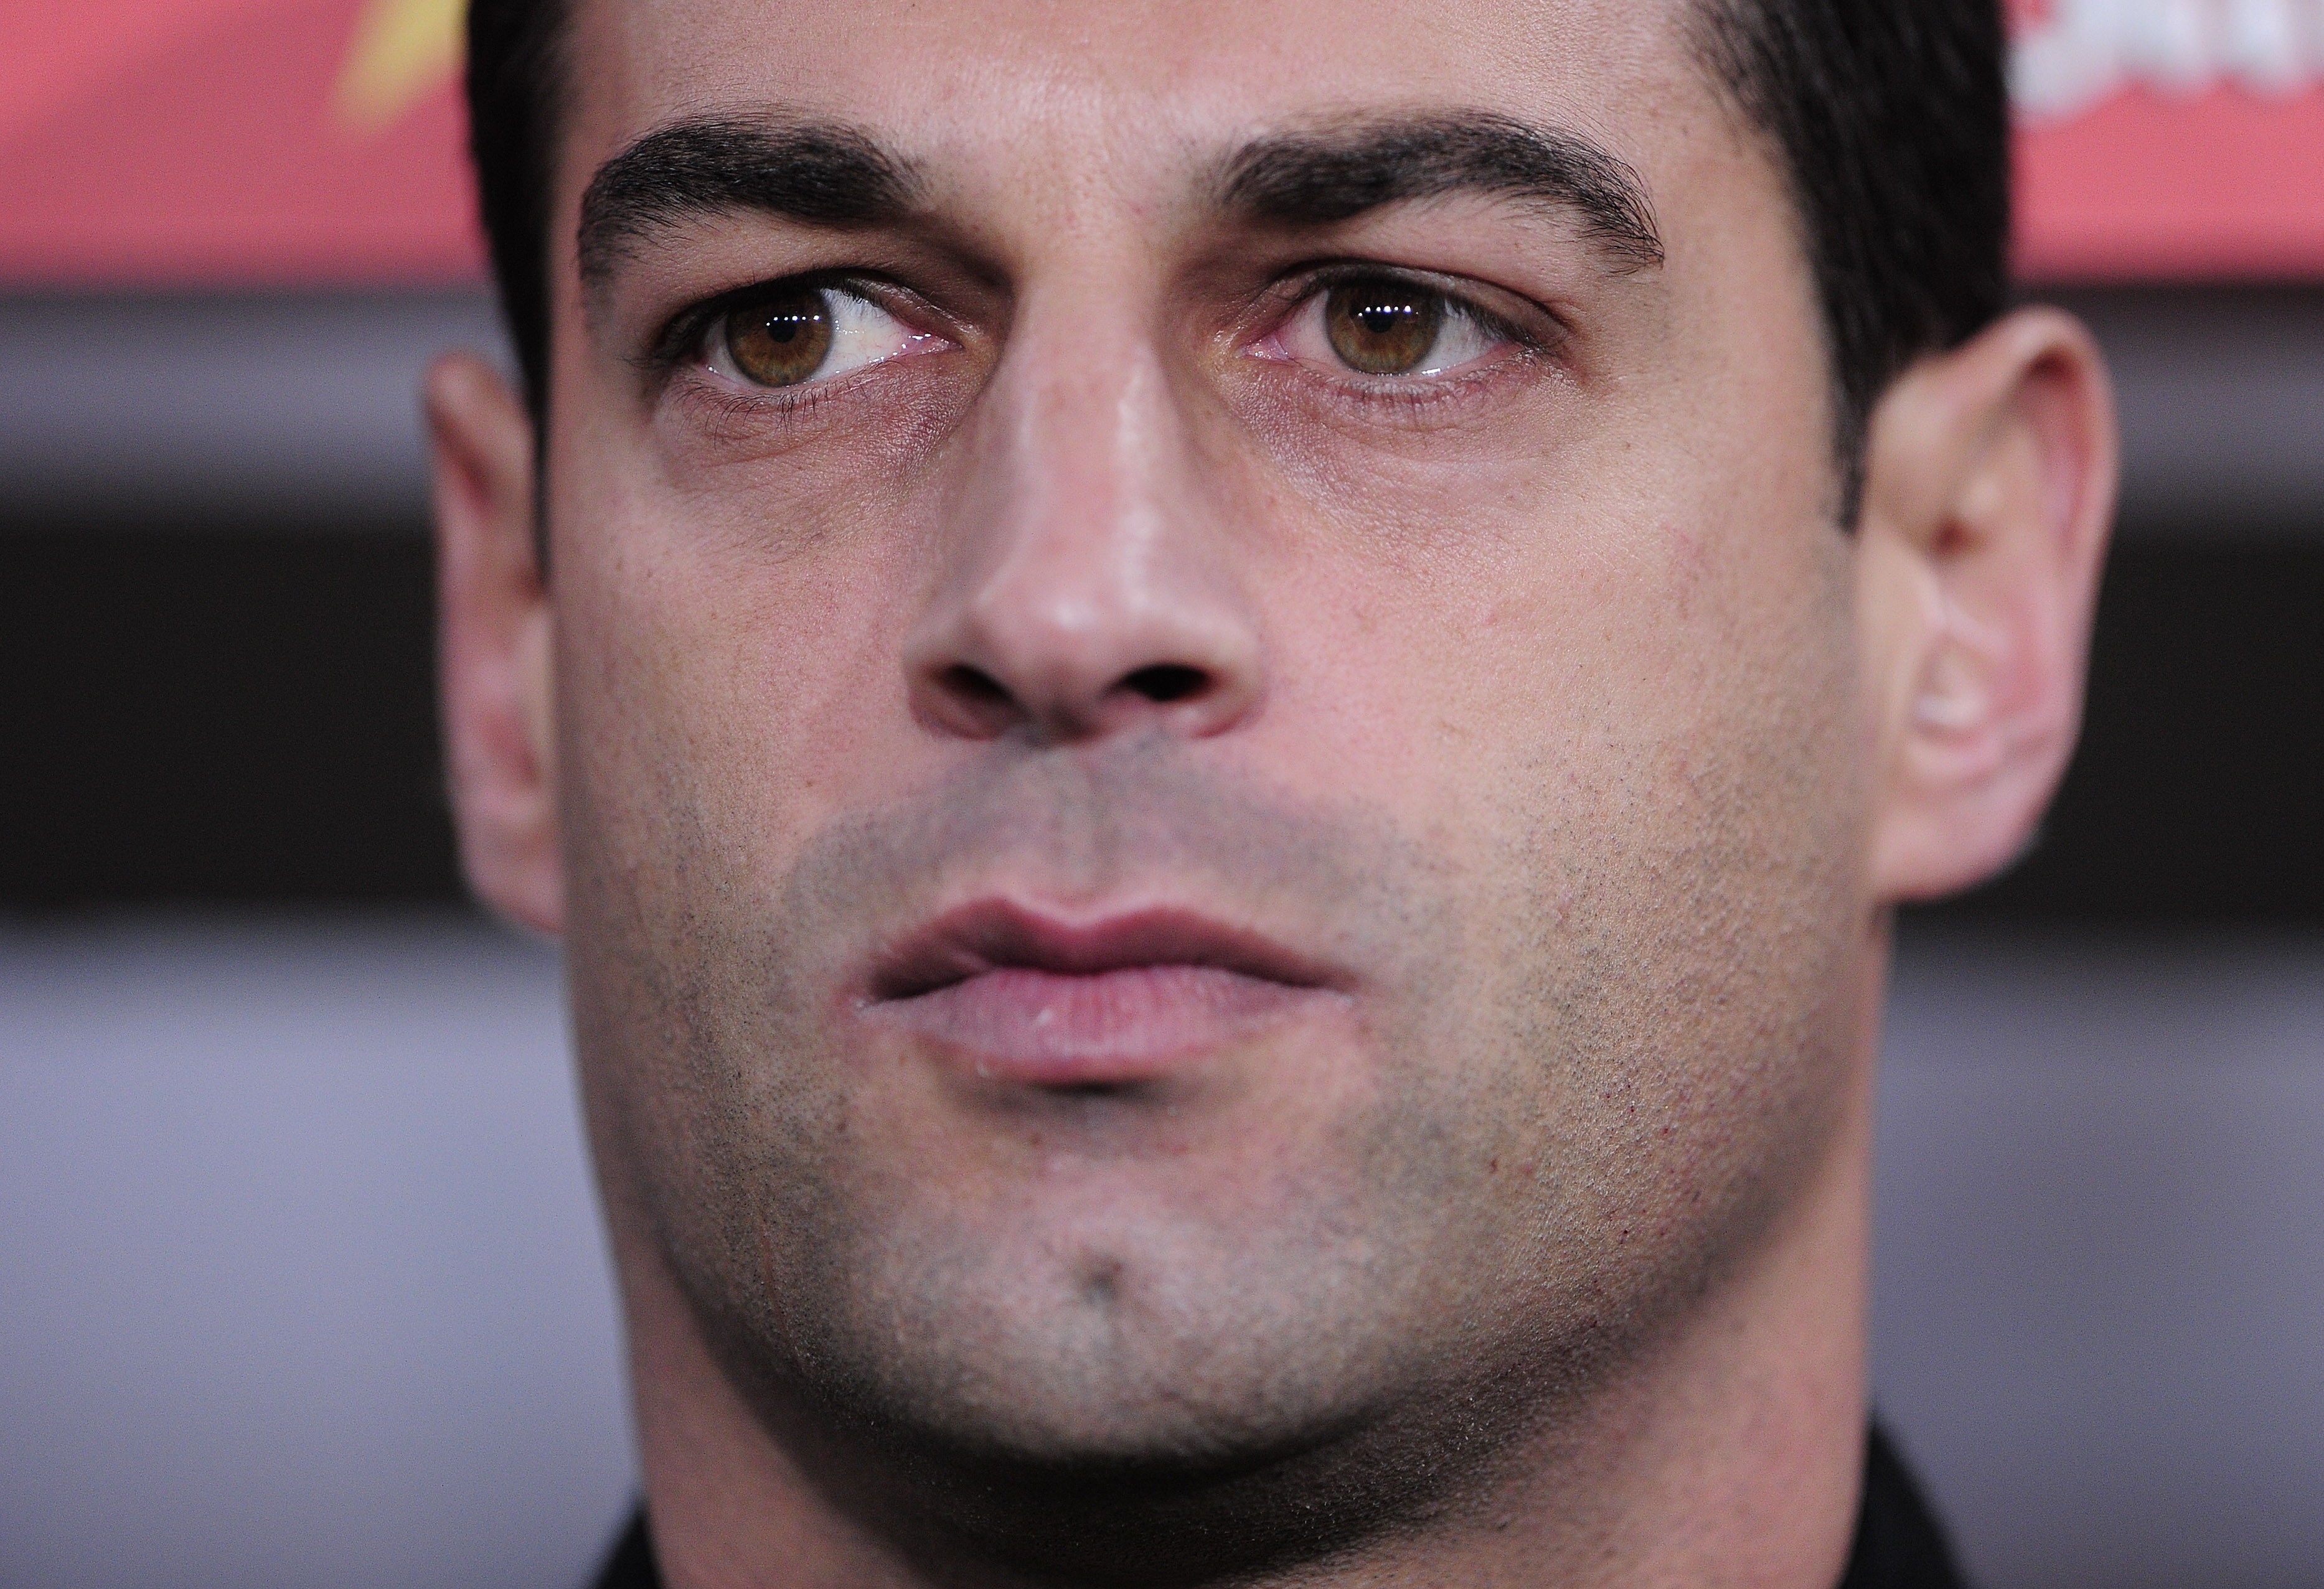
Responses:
[739,409]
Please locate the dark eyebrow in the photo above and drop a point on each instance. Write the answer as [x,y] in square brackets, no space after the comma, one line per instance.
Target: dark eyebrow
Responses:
[1319,177]
[822,173]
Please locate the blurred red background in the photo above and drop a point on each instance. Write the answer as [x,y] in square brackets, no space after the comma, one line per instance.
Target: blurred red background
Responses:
[195,143]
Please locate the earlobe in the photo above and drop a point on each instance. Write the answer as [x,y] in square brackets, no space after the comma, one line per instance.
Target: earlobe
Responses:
[494,639]
[1990,492]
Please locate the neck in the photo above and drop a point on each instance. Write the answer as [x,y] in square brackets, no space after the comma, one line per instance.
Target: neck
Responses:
[1729,1453]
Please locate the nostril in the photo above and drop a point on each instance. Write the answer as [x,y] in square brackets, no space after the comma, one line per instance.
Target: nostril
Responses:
[1167,681]
[975,685]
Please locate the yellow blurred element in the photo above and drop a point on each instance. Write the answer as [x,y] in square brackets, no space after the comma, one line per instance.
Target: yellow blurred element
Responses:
[402,50]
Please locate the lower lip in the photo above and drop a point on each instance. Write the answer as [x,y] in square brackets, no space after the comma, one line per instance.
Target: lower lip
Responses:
[1111,1026]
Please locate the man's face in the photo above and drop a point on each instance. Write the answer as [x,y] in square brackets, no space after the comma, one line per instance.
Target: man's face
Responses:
[1239,818]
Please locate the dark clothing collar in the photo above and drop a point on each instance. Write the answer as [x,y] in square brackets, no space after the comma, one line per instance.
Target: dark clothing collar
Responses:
[1898,1544]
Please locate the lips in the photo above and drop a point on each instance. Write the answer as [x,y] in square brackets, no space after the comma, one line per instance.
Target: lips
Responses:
[1017,994]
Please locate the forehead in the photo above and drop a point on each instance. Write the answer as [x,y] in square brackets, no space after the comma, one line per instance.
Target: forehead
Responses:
[1125,93]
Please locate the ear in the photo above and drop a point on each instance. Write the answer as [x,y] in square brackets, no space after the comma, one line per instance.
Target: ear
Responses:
[494,643]
[1989,493]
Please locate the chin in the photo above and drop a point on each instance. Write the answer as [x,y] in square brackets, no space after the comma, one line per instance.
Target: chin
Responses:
[1140,1341]
[1057,1443]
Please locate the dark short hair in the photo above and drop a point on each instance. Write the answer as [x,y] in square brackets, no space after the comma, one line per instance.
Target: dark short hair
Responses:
[1890,120]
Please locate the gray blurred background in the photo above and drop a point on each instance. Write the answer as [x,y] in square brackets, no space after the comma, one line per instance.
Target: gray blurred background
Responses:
[300,1280]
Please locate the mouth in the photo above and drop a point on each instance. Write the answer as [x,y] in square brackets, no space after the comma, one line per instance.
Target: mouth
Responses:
[1015,994]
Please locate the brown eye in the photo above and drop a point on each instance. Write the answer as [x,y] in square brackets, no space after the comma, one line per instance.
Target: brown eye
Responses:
[781,341]
[1383,326]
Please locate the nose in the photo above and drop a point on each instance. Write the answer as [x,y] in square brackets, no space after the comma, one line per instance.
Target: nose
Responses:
[1089,587]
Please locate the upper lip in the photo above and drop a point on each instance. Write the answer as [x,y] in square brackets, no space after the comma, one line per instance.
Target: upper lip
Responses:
[998,934]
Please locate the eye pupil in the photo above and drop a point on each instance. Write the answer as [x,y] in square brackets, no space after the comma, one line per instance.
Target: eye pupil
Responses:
[781,341]
[1383,328]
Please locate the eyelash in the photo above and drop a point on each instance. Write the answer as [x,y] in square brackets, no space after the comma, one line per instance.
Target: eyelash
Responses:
[1297,291]
[1406,398]
[678,344]
[742,408]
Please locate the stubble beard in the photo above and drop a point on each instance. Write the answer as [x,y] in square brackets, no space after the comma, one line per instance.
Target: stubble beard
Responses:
[1585,1104]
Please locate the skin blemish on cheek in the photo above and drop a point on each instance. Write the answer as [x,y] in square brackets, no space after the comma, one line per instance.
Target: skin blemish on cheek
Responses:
[1689,564]
[1100,1282]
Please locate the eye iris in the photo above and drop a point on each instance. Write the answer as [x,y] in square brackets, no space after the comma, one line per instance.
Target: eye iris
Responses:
[782,341]
[1383,328]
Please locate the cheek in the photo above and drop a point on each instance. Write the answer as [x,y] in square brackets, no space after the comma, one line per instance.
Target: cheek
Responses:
[1482,654]
[729,671]
[1628,741]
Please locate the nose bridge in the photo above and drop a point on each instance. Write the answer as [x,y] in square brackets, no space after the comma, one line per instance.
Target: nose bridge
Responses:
[1084,587]
[1089,436]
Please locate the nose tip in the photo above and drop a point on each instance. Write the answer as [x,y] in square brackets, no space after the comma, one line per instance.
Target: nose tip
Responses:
[1057,692]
